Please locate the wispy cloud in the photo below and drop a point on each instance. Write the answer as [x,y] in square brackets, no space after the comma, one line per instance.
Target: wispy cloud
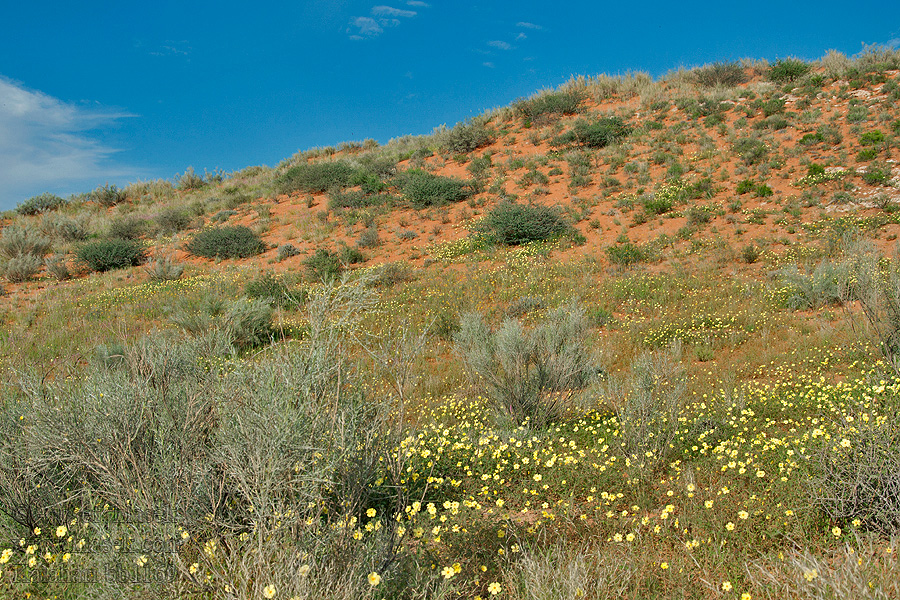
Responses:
[362,28]
[488,64]
[418,3]
[172,48]
[389,11]
[521,36]
[526,25]
[45,144]
[499,45]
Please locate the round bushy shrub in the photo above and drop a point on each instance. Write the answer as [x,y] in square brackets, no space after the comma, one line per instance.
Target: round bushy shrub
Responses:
[315,177]
[105,255]
[39,204]
[788,69]
[107,195]
[22,267]
[424,189]
[511,224]
[234,241]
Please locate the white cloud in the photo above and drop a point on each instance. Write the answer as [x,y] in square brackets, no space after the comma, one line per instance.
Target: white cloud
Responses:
[44,144]
[367,26]
[418,3]
[499,45]
[488,64]
[362,28]
[388,11]
[521,36]
[527,25]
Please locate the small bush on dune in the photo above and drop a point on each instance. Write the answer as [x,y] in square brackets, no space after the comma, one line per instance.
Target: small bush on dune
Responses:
[466,137]
[63,228]
[550,104]
[512,224]
[105,255]
[788,69]
[424,189]
[40,204]
[315,177]
[323,265]
[727,74]
[226,242]
[596,134]
[171,220]
[130,227]
[107,195]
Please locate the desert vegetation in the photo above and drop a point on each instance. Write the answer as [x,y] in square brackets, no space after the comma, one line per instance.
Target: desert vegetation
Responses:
[625,338]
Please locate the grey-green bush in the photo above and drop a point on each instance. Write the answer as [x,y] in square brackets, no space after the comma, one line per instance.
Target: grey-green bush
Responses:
[16,241]
[533,376]
[22,268]
[647,403]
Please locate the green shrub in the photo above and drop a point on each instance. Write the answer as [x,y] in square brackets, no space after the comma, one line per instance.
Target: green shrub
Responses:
[16,241]
[601,133]
[323,265]
[189,180]
[40,204]
[467,136]
[814,169]
[22,267]
[550,104]
[287,251]
[107,195]
[130,227]
[315,177]
[657,204]
[750,254]
[234,241]
[511,224]
[877,174]
[626,253]
[858,114]
[871,138]
[424,189]
[276,290]
[66,229]
[393,273]
[751,150]
[788,69]
[355,199]
[105,255]
[810,139]
[171,220]
[866,155]
[763,191]
[745,186]
[773,106]
[350,255]
[728,74]
[532,376]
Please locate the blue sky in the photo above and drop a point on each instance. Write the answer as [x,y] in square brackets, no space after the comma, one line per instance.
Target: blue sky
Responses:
[94,92]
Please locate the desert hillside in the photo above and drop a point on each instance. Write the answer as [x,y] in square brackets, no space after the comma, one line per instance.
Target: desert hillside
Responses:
[624,338]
